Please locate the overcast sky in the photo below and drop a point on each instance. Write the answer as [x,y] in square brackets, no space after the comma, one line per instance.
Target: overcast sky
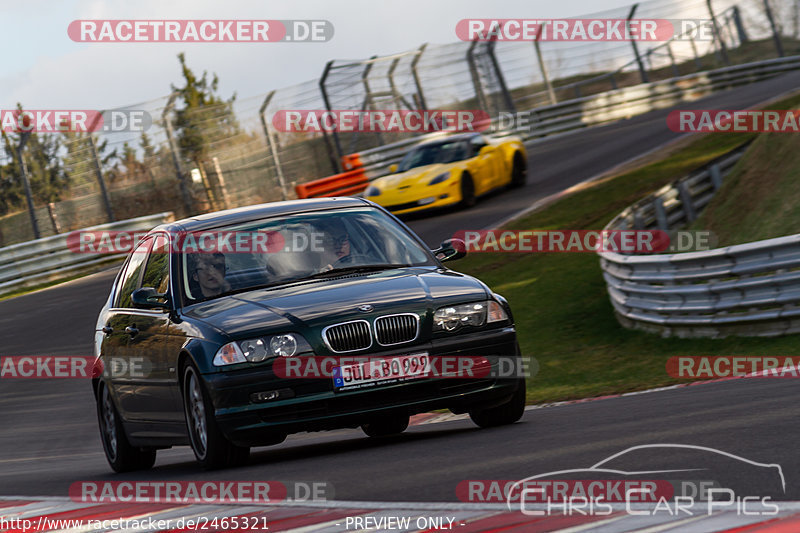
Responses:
[44,69]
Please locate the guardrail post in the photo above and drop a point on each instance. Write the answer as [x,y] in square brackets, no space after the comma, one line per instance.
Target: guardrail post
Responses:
[476,80]
[661,213]
[737,21]
[335,160]
[638,221]
[420,95]
[716,176]
[186,193]
[550,92]
[271,143]
[500,78]
[23,169]
[718,35]
[686,202]
[775,35]
[642,70]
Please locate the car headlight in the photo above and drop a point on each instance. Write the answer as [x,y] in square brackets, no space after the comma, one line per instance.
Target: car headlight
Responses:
[455,317]
[372,191]
[440,178]
[257,350]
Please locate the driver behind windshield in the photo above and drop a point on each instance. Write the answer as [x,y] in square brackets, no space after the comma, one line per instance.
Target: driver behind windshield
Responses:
[335,246]
[207,275]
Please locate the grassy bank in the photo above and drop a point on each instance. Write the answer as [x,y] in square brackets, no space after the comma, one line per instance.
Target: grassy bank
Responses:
[563,314]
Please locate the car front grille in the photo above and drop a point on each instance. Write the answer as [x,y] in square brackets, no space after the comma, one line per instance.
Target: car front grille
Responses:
[396,329]
[348,336]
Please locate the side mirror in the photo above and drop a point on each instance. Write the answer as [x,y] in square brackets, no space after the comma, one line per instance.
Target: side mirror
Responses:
[486,149]
[148,298]
[393,168]
[450,250]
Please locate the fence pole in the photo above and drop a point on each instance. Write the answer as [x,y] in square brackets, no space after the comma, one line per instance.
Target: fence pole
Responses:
[422,104]
[186,193]
[718,34]
[226,200]
[490,48]
[696,55]
[675,70]
[476,80]
[271,144]
[396,95]
[23,169]
[98,169]
[642,70]
[335,160]
[737,21]
[367,98]
[550,92]
[775,35]
[100,179]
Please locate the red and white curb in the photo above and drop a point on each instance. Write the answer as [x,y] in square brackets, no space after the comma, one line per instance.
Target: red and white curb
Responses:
[37,514]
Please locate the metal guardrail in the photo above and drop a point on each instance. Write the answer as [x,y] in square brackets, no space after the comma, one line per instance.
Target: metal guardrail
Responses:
[607,107]
[749,289]
[43,260]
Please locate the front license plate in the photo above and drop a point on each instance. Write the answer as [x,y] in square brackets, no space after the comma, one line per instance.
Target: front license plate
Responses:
[374,372]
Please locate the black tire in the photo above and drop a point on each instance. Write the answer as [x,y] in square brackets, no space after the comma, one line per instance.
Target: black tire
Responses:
[467,191]
[119,453]
[503,414]
[211,448]
[519,171]
[387,426]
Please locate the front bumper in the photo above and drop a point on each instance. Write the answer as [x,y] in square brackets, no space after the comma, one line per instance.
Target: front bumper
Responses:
[315,406]
[418,198]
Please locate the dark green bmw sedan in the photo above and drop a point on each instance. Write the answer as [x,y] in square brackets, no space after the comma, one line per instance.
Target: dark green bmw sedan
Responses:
[234,329]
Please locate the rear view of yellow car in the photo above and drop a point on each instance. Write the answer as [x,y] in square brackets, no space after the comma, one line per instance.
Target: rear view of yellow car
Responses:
[450,171]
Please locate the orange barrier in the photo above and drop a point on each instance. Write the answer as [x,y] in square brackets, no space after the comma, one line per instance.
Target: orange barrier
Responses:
[347,183]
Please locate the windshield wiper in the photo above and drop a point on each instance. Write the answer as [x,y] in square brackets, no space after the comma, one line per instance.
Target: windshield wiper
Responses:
[334,272]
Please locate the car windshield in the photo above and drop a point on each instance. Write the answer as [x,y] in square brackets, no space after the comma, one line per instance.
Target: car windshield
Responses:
[277,251]
[430,154]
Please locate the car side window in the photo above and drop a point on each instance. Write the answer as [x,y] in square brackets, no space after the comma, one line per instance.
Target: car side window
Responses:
[129,281]
[156,273]
[477,142]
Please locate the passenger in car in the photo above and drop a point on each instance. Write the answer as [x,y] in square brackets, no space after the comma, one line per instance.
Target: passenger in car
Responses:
[208,274]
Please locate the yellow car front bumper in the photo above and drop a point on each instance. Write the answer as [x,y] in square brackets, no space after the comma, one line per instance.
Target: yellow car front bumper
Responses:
[419,198]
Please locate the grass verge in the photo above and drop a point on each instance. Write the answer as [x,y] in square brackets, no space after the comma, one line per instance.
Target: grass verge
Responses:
[563,314]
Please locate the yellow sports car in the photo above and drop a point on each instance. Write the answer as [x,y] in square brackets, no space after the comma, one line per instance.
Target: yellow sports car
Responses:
[451,170]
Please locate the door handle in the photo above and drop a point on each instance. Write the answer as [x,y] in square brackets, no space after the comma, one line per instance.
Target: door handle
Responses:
[108,330]
[131,330]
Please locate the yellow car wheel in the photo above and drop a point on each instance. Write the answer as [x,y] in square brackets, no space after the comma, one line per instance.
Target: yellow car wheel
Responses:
[467,191]
[519,171]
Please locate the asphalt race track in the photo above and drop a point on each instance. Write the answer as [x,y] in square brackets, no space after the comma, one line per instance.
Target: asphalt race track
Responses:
[48,429]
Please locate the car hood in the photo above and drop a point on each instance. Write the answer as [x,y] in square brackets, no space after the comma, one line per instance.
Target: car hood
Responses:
[314,305]
[415,176]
